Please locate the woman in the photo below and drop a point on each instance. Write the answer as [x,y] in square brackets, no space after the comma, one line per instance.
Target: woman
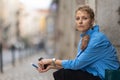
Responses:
[95,53]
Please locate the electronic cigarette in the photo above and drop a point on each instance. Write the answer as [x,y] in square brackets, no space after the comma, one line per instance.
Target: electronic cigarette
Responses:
[34,65]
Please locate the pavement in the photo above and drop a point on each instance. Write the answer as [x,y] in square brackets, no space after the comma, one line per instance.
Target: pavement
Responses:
[24,71]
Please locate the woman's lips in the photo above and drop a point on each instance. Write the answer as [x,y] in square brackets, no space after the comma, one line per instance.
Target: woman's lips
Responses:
[80,26]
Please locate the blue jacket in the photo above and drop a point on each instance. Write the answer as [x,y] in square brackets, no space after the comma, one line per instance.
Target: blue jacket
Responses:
[99,55]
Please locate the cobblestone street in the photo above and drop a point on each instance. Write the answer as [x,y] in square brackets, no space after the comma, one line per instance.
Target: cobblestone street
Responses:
[24,70]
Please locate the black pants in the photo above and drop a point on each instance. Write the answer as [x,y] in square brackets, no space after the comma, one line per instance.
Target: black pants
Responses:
[68,74]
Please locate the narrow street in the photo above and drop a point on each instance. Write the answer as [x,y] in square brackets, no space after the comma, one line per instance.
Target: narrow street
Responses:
[24,70]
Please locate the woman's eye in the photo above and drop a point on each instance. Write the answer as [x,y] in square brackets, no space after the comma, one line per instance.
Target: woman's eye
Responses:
[77,18]
[82,18]
[85,18]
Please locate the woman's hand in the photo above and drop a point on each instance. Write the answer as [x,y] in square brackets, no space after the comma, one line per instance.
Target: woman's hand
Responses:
[44,65]
[46,69]
[47,64]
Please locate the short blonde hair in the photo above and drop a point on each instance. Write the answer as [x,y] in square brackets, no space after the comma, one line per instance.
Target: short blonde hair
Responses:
[88,9]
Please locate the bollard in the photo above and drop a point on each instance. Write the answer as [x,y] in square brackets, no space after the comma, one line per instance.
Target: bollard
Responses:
[20,55]
[13,54]
[1,59]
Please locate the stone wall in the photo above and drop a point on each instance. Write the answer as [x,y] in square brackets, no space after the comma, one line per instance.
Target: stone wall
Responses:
[107,16]
[66,35]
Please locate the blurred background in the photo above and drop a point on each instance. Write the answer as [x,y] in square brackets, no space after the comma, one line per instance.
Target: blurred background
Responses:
[30,29]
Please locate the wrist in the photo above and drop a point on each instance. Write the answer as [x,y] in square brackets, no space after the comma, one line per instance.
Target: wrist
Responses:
[53,62]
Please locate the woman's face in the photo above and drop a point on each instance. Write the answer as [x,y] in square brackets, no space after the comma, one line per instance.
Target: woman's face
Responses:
[83,21]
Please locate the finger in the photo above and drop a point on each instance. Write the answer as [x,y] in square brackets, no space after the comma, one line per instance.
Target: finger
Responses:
[39,70]
[40,64]
[45,70]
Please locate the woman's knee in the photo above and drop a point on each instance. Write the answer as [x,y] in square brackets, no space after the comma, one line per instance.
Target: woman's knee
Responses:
[55,74]
[58,75]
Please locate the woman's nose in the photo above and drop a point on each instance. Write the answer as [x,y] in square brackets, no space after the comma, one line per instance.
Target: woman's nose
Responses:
[80,21]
